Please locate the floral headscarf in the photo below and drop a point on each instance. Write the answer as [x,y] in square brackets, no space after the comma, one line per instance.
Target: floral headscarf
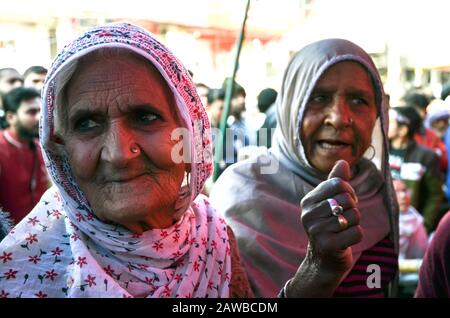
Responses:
[63,250]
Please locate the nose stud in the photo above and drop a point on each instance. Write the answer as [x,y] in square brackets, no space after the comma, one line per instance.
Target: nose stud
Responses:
[135,148]
[349,122]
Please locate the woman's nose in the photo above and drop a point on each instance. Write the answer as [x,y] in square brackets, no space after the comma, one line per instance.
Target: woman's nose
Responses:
[119,146]
[339,115]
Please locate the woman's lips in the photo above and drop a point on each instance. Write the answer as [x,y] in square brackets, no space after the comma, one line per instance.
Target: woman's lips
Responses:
[124,179]
[332,144]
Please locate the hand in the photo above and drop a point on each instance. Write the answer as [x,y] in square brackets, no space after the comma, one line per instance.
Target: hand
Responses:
[329,248]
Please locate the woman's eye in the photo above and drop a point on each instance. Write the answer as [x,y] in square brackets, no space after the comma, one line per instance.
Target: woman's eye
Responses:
[84,125]
[146,118]
[358,101]
[319,98]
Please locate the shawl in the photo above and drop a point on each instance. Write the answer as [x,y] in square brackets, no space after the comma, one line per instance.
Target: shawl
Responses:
[260,197]
[63,250]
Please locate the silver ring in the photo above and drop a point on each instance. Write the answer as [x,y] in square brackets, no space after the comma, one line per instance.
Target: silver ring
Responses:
[134,148]
[336,209]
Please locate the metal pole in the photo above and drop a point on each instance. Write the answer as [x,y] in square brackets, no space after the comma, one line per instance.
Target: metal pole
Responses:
[228,96]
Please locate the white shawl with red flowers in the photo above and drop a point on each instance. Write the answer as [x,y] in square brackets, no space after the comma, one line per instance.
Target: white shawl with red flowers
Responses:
[62,250]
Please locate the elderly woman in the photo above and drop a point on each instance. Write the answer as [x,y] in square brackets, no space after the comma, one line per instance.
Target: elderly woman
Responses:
[124,218]
[314,217]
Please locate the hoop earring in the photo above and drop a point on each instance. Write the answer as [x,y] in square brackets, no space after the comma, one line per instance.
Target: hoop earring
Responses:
[373,154]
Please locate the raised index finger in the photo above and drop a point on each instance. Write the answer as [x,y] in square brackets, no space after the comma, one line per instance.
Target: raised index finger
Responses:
[328,189]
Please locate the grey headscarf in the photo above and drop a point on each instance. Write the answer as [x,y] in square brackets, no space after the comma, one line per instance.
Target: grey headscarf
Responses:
[263,208]
[299,80]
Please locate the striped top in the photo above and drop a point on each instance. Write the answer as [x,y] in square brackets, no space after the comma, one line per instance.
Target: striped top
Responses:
[372,273]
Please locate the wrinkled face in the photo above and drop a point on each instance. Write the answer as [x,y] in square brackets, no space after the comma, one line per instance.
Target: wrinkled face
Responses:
[114,105]
[34,80]
[339,117]
[9,80]
[403,195]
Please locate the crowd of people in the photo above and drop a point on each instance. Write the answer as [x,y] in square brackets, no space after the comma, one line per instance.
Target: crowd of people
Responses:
[106,191]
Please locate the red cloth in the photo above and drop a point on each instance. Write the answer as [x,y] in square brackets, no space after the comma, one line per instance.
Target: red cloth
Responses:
[17,161]
[429,139]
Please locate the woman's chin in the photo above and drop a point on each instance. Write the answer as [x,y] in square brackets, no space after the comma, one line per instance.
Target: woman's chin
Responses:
[121,211]
[135,214]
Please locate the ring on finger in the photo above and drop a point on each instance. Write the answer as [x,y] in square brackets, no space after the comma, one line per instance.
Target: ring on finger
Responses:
[343,222]
[336,208]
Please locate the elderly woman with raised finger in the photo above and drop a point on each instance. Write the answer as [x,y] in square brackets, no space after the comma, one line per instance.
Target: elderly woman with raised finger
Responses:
[314,217]
[124,218]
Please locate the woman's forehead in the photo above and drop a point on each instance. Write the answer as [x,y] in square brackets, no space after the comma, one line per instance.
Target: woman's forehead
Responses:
[99,66]
[116,84]
[349,68]
[347,72]
[116,76]
[349,65]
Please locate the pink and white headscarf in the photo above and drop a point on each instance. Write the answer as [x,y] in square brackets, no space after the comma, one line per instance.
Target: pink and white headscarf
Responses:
[62,250]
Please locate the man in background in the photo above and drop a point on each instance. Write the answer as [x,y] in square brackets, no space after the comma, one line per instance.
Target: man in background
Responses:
[266,105]
[23,178]
[34,77]
[9,79]
[238,133]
